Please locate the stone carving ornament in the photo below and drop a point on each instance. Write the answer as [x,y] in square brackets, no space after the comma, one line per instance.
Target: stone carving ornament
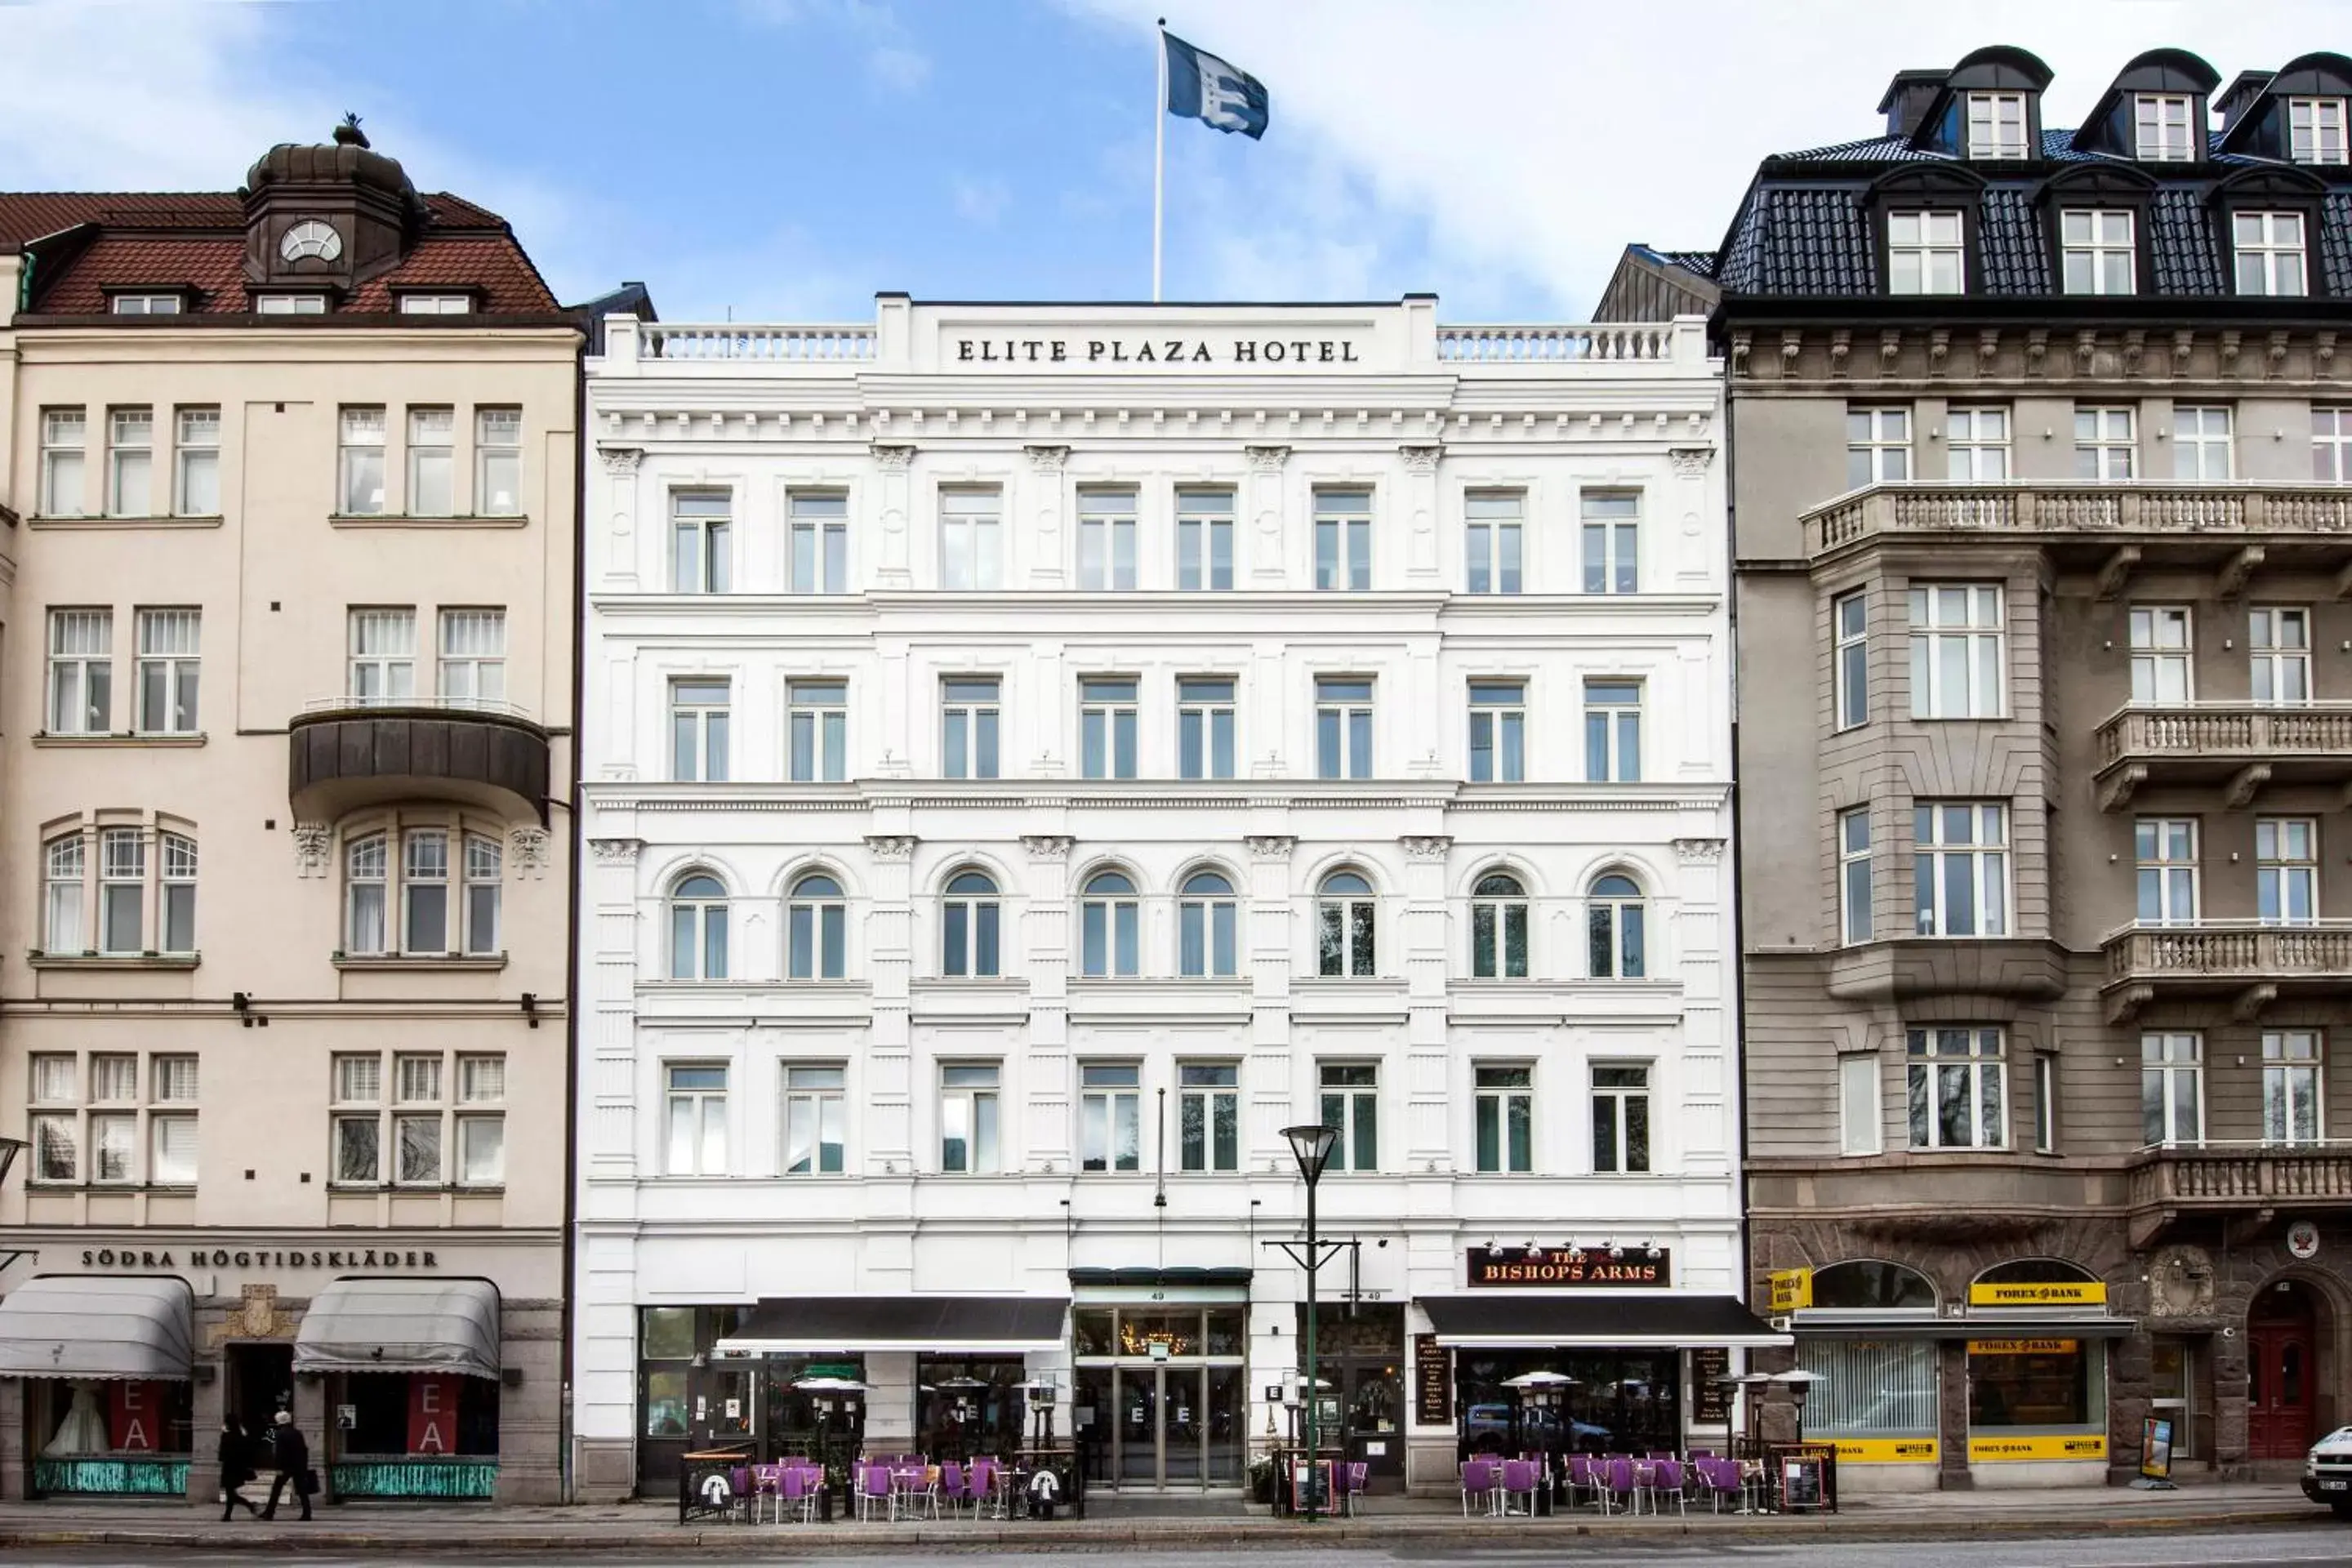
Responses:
[2181,1283]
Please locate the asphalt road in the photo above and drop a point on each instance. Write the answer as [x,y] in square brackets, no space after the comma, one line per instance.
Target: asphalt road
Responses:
[2321,1543]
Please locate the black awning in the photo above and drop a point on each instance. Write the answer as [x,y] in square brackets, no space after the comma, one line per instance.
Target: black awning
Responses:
[1160,1278]
[2000,1325]
[1500,1321]
[960,1325]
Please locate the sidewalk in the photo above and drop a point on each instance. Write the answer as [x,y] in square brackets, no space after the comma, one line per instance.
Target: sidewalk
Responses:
[1113,1525]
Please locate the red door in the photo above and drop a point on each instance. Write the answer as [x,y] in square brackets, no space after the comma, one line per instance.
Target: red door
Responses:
[2278,1375]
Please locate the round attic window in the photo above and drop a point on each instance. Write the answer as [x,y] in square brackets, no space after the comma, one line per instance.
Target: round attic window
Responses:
[312,237]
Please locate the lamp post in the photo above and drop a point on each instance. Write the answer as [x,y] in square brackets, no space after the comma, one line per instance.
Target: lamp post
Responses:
[1310,1145]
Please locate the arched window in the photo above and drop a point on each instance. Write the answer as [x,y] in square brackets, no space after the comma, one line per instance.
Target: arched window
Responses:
[1613,917]
[1344,926]
[441,912]
[697,929]
[817,927]
[1109,918]
[1870,1285]
[1205,922]
[2035,1271]
[483,864]
[968,921]
[1498,928]
[67,927]
[179,900]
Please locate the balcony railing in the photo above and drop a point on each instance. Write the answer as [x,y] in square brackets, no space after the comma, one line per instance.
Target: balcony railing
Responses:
[1554,344]
[2231,950]
[353,704]
[2249,1175]
[664,340]
[2042,507]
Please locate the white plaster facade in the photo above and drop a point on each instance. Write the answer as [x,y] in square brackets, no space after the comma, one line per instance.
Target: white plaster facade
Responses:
[1377,400]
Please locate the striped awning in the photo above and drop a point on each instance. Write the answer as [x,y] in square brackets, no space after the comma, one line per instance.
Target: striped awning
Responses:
[97,1326]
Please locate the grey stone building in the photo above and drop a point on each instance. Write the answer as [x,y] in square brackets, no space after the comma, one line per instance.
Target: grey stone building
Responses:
[2041,490]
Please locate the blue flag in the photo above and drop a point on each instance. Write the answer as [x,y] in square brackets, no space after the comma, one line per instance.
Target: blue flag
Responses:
[1204,88]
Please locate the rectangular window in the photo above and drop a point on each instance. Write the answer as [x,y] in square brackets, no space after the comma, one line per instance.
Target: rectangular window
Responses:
[113,1147]
[179,893]
[1498,732]
[2163,125]
[816,715]
[2291,1087]
[1204,539]
[2106,444]
[360,461]
[2201,444]
[697,731]
[498,462]
[1924,254]
[196,457]
[130,462]
[1850,615]
[2278,644]
[1107,708]
[1612,731]
[1107,540]
[2097,252]
[1853,874]
[1996,125]
[817,1121]
[820,541]
[1505,1116]
[481,1151]
[121,890]
[482,890]
[81,671]
[2172,1087]
[1209,1117]
[358,1082]
[64,928]
[291,304]
[1621,1120]
[2315,130]
[171,1150]
[1343,727]
[701,542]
[1343,540]
[1351,1103]
[2331,443]
[1492,529]
[2164,849]
[970,717]
[65,441]
[416,1144]
[2162,657]
[1956,1090]
[2287,871]
[967,1107]
[968,525]
[1859,1123]
[2045,1103]
[698,1120]
[1204,727]
[432,462]
[382,667]
[435,305]
[1976,444]
[2270,253]
[1611,525]
[1960,867]
[1958,658]
[473,656]
[1110,1117]
[425,890]
[145,304]
[1877,447]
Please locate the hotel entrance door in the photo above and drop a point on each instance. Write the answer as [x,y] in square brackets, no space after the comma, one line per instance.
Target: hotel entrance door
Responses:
[1165,1395]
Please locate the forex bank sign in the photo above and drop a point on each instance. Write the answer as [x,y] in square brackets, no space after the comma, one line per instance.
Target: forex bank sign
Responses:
[1113,353]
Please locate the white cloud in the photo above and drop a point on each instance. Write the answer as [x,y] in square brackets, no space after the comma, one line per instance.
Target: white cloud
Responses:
[1514,146]
[900,68]
[981,201]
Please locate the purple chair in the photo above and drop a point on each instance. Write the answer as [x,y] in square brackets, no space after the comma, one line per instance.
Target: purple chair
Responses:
[1619,1487]
[1520,1477]
[797,1494]
[873,1491]
[1581,1481]
[1354,1477]
[1666,1481]
[1480,1479]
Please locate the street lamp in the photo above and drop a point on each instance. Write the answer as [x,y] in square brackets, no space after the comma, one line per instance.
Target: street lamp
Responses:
[1310,1145]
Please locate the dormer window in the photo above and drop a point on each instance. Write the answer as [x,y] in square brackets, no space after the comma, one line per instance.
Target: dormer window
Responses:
[1997,125]
[2315,130]
[157,304]
[436,305]
[2165,128]
[2270,253]
[291,304]
[1924,253]
[2098,252]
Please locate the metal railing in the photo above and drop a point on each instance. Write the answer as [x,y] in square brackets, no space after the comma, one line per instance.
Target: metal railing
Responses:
[458,705]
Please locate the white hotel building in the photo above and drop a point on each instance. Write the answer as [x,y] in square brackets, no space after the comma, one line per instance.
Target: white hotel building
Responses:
[1032,754]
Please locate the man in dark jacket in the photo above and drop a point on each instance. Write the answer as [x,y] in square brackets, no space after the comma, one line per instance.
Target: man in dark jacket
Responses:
[293,1459]
[236,1469]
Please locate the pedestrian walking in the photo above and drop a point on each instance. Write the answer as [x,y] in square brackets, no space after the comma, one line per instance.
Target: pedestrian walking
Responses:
[293,1457]
[235,1468]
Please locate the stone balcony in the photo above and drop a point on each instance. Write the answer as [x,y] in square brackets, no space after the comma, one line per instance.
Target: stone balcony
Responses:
[2252,1183]
[2239,746]
[2249,964]
[347,752]
[2113,525]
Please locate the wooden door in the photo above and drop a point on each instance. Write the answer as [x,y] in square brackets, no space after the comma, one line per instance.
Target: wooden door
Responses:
[2280,1364]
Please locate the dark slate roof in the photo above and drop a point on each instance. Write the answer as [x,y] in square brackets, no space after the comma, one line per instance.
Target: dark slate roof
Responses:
[2181,236]
[1699,262]
[2336,243]
[2012,253]
[1799,239]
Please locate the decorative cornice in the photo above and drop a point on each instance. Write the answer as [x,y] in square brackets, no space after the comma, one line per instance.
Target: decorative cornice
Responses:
[894,457]
[1047,458]
[1690,462]
[1048,846]
[1421,462]
[621,462]
[1269,846]
[1425,845]
[1266,460]
[891,846]
[1698,851]
[615,851]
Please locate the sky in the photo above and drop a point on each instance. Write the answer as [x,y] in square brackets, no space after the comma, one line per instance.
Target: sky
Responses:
[785,160]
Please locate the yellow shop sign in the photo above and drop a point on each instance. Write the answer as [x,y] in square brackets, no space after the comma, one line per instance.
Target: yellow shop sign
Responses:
[1791,1290]
[1993,1450]
[2025,1347]
[1887,1450]
[2049,1293]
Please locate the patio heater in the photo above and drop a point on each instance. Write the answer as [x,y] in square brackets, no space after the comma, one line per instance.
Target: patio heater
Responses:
[1546,1391]
[1800,1383]
[965,1391]
[1310,1145]
[1752,1379]
[1041,1411]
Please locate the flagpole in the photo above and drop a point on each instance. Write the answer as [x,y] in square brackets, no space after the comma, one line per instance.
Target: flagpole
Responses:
[1158,156]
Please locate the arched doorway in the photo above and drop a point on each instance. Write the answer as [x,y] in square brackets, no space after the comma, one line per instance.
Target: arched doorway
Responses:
[2282,1362]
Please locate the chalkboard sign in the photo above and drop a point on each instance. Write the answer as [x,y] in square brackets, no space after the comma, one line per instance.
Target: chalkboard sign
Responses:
[1709,1364]
[1433,1383]
[1801,1483]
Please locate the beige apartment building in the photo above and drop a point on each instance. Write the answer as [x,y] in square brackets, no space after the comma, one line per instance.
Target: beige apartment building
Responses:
[2042,458]
[287,477]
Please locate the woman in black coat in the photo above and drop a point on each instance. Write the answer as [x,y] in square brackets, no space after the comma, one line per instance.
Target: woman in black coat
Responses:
[236,1469]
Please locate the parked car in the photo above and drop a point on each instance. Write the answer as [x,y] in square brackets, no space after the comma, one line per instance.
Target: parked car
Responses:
[2327,1471]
